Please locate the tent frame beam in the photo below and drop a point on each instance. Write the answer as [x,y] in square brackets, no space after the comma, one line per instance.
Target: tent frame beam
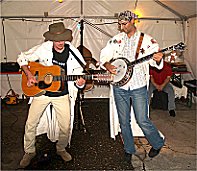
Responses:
[87,17]
[171,10]
[192,16]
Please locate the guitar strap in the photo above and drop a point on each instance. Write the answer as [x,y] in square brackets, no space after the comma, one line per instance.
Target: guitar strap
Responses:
[80,62]
[76,57]
[139,45]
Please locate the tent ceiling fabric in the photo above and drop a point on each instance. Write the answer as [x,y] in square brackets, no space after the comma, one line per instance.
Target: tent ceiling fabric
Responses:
[185,8]
[27,8]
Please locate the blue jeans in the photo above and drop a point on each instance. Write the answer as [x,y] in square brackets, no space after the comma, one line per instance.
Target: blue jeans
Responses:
[139,100]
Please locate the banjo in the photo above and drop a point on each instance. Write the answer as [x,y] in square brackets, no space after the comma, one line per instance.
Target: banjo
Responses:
[125,67]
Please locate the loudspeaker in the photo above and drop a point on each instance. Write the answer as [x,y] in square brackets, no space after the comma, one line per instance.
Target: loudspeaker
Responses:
[9,67]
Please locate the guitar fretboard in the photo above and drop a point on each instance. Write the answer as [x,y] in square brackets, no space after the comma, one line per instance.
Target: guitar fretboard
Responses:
[72,77]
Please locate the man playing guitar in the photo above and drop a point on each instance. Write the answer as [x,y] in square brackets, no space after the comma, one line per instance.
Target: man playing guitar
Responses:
[54,51]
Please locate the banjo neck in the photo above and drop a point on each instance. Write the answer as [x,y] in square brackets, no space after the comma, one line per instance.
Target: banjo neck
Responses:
[125,67]
[146,58]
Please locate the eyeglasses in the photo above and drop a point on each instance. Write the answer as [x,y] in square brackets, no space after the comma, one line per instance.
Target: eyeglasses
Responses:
[125,23]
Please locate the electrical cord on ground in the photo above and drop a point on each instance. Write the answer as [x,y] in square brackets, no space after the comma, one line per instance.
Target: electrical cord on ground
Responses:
[166,146]
[145,152]
[16,119]
[5,140]
[176,151]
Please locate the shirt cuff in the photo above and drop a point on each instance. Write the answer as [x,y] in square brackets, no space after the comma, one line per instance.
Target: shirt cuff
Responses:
[80,87]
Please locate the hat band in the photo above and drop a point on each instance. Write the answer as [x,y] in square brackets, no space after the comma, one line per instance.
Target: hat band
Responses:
[57,33]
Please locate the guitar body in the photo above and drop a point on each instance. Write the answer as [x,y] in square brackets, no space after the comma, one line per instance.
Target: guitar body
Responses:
[44,75]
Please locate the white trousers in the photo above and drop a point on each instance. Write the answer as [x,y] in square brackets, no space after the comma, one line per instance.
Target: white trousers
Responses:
[61,106]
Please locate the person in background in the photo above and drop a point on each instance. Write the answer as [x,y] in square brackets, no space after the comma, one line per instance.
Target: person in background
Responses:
[54,51]
[160,80]
[134,92]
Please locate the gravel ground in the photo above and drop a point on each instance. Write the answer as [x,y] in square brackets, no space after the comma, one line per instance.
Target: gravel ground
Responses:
[91,146]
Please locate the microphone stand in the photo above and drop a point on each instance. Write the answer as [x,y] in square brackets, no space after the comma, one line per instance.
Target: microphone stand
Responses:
[80,123]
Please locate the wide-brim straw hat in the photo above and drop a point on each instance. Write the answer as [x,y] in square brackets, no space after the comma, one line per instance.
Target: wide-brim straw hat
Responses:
[58,32]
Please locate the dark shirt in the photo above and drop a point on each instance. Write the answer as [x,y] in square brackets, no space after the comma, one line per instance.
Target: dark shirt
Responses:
[61,60]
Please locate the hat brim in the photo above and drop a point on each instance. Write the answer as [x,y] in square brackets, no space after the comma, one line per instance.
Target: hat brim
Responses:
[66,36]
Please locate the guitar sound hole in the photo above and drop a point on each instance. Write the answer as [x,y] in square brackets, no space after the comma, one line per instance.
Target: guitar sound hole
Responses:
[48,78]
[42,85]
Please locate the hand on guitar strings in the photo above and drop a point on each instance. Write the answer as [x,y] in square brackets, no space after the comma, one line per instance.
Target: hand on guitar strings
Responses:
[110,68]
[31,80]
[80,82]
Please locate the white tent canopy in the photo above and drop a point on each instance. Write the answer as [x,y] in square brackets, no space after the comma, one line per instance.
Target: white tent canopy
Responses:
[99,8]
[24,22]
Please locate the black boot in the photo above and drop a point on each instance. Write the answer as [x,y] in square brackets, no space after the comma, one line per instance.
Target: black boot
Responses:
[152,153]
[172,113]
[127,160]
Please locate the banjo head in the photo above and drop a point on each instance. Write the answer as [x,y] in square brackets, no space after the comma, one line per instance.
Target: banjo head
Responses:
[124,71]
[121,69]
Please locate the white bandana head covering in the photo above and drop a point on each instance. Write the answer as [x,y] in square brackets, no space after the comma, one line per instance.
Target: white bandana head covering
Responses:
[126,15]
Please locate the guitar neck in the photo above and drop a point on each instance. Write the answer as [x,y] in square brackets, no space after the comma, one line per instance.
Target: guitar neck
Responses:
[95,77]
[72,77]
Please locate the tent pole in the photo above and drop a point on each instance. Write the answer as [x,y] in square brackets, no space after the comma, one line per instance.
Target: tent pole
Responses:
[81,29]
[81,33]
[81,7]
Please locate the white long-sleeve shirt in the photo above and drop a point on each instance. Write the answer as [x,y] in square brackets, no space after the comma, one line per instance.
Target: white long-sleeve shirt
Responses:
[123,46]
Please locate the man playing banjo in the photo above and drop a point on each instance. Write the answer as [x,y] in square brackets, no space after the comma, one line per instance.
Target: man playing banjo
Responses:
[130,44]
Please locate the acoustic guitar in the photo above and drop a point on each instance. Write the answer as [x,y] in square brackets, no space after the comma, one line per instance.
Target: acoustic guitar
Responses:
[50,78]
